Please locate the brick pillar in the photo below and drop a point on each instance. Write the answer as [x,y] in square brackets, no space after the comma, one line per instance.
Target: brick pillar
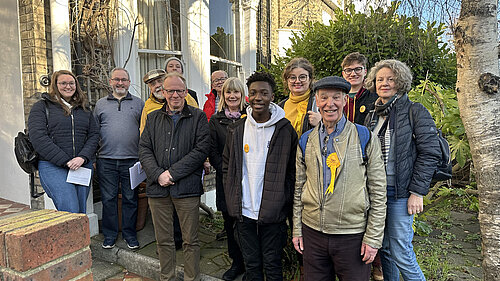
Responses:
[45,245]
[34,23]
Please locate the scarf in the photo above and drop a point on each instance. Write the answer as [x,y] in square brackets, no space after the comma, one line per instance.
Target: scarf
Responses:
[384,135]
[296,109]
[232,115]
[383,109]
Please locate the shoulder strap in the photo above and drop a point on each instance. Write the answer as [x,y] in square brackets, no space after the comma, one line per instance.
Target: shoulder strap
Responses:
[410,114]
[303,142]
[364,137]
[46,109]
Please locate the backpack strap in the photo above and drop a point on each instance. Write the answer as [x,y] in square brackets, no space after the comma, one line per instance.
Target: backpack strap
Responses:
[303,141]
[364,137]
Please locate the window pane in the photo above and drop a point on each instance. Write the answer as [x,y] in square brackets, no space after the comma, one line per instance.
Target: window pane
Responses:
[222,29]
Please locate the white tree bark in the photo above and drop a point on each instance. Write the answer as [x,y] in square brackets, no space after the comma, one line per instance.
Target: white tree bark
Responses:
[476,43]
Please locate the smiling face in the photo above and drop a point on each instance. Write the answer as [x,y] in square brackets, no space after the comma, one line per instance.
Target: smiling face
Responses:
[174,65]
[218,79]
[66,85]
[330,103]
[385,84]
[355,74]
[120,82]
[260,95]
[155,87]
[174,91]
[298,81]
[233,100]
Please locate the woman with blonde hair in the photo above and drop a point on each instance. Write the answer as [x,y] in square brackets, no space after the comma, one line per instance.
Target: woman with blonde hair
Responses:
[66,140]
[230,108]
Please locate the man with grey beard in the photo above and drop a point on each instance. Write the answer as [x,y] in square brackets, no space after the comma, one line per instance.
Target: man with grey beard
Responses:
[154,80]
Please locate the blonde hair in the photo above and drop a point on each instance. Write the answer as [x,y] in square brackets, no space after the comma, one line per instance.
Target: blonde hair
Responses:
[232,84]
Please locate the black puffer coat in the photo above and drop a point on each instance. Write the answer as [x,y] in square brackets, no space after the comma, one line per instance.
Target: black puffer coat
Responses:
[279,177]
[180,149]
[61,138]
[218,131]
[417,152]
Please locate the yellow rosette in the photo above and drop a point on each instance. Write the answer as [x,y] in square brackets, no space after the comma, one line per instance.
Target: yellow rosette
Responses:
[246,148]
[333,163]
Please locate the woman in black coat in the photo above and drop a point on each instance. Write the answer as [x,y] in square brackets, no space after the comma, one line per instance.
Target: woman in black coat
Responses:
[230,108]
[66,140]
[411,153]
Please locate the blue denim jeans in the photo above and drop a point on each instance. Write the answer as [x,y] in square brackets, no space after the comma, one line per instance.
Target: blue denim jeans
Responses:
[113,174]
[66,196]
[397,253]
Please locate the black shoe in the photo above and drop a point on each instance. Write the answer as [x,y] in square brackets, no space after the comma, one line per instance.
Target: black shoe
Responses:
[233,272]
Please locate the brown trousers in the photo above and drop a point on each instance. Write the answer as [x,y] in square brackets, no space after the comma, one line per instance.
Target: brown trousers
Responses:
[188,212]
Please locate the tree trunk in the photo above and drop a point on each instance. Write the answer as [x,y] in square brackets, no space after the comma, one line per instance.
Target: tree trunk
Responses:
[476,44]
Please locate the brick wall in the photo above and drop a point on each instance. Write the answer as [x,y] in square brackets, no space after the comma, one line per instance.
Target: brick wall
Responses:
[45,245]
[286,14]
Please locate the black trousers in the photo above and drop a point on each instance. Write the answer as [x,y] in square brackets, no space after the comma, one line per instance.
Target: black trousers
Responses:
[327,255]
[262,248]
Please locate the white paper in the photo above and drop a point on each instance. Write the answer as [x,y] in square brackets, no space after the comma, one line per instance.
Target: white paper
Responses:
[80,176]
[137,175]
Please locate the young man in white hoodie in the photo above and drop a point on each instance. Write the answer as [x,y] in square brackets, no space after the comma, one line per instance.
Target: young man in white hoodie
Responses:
[258,175]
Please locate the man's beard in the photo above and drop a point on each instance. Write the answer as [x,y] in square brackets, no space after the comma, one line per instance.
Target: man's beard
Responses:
[158,94]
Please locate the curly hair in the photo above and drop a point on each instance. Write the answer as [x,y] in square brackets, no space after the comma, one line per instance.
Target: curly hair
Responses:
[262,76]
[402,75]
[354,57]
[79,98]
[232,84]
[297,63]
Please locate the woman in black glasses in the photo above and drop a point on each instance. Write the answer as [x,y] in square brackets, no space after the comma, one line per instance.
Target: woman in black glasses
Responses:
[300,106]
[65,135]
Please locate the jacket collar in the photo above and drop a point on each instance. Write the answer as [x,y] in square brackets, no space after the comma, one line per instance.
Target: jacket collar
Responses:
[185,112]
[128,96]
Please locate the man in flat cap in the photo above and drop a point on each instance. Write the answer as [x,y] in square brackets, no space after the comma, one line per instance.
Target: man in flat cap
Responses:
[154,80]
[340,191]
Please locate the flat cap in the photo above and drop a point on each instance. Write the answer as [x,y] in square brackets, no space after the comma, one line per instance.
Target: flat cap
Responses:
[332,82]
[153,74]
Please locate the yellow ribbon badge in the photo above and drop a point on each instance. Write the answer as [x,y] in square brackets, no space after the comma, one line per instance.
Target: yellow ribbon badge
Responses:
[362,109]
[333,163]
[246,148]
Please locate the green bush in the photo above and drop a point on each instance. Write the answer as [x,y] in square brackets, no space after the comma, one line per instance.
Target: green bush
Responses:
[379,35]
[443,105]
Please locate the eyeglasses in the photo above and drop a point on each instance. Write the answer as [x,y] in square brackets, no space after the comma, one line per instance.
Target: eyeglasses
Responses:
[64,84]
[218,80]
[302,78]
[171,92]
[123,80]
[356,70]
[324,150]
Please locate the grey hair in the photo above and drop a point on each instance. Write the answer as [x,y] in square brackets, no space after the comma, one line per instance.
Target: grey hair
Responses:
[402,75]
[119,68]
